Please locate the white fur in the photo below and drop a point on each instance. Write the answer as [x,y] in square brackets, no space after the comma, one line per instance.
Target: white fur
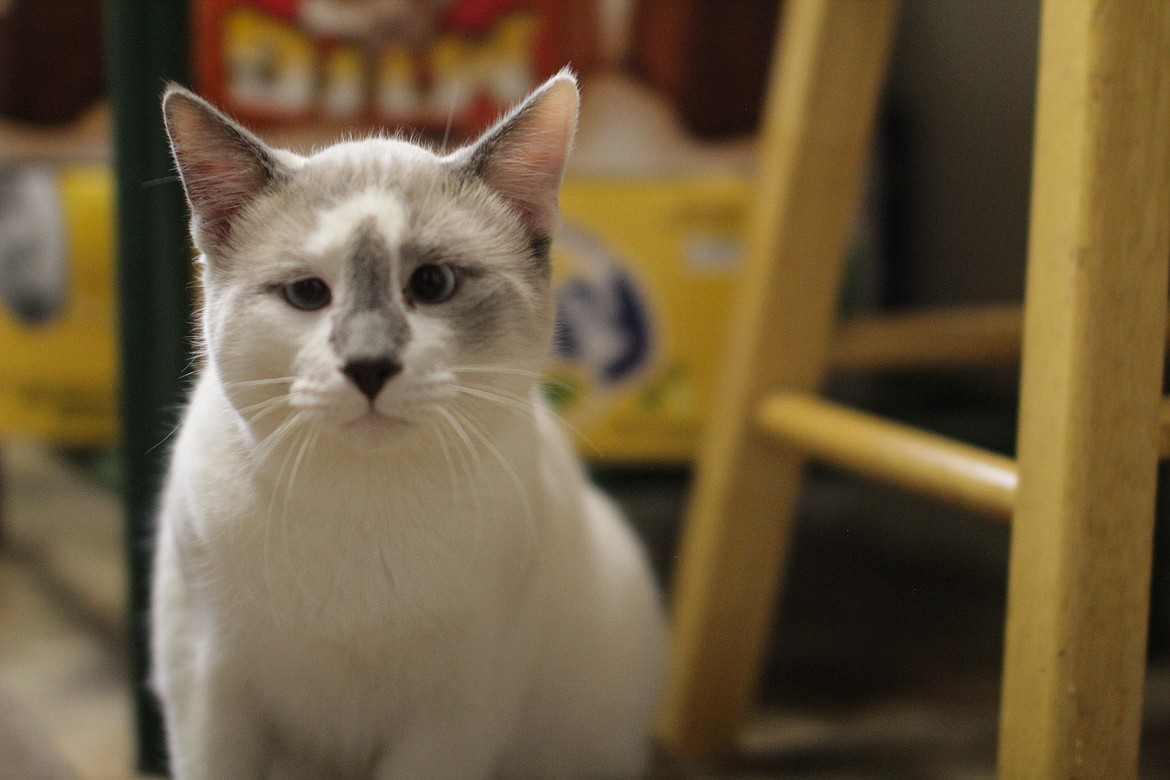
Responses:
[336,225]
[378,621]
[422,586]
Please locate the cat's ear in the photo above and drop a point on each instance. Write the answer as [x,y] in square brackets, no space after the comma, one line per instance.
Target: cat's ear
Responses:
[223,166]
[523,156]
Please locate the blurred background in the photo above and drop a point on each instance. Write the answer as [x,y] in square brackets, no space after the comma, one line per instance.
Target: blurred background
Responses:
[885,654]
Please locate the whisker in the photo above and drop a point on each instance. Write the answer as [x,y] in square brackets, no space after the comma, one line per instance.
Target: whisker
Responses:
[520,403]
[509,370]
[261,414]
[261,382]
[169,435]
[253,413]
[473,463]
[195,395]
[456,484]
[522,494]
[309,441]
[307,444]
[288,427]
[483,369]
[266,446]
[506,401]
[452,474]
[447,129]
[276,399]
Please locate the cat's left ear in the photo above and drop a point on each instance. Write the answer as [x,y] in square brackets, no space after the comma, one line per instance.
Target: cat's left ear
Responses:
[223,166]
[523,156]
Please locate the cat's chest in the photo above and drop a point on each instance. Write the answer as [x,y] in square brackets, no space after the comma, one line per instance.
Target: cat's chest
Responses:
[331,558]
[346,617]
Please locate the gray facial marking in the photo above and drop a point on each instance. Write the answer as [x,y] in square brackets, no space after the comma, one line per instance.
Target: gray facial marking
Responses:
[541,251]
[480,319]
[372,324]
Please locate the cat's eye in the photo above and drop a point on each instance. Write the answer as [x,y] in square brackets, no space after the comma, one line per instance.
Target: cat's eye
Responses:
[432,283]
[307,294]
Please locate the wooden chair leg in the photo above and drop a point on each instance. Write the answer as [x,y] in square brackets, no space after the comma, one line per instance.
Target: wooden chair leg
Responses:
[821,109]
[3,502]
[1093,340]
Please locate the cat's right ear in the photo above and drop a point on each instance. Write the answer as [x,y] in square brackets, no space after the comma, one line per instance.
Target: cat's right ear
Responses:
[223,166]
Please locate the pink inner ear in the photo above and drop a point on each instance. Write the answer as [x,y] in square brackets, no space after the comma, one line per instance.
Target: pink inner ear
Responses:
[218,189]
[528,162]
[221,165]
[531,184]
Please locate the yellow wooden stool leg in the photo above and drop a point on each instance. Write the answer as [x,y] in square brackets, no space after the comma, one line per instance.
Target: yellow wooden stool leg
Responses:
[1093,339]
[820,115]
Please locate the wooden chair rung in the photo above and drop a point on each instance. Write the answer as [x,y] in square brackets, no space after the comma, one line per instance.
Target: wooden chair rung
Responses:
[956,337]
[917,460]
[959,337]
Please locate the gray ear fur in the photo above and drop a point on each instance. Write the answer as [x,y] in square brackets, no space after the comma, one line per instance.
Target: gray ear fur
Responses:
[523,156]
[222,165]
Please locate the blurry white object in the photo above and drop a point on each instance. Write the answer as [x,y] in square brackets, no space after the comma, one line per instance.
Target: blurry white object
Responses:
[374,21]
[34,262]
[615,22]
[628,130]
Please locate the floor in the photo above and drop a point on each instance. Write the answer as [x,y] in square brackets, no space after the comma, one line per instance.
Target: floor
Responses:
[884,664]
[61,622]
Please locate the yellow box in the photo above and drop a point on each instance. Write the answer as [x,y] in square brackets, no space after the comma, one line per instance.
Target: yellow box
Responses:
[645,273]
[58,381]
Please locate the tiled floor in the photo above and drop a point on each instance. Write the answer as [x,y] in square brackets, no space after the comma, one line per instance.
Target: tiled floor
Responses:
[61,583]
[885,660]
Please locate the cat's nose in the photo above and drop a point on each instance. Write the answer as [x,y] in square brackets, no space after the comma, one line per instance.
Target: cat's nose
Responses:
[371,374]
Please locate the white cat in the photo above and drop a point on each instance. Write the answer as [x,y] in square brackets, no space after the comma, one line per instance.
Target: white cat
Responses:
[378,556]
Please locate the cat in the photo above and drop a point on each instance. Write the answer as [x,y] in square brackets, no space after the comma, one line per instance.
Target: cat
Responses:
[377,554]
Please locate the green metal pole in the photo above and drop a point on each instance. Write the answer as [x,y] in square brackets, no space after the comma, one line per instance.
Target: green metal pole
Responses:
[148,45]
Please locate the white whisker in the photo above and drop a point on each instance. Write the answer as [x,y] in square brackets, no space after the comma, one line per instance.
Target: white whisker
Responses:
[511,403]
[523,404]
[308,442]
[484,369]
[269,525]
[276,380]
[267,446]
[452,474]
[521,493]
[256,412]
[468,457]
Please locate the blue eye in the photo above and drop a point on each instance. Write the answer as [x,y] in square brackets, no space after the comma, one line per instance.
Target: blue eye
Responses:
[307,294]
[432,283]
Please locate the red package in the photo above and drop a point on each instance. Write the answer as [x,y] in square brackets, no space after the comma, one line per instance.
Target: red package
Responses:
[435,66]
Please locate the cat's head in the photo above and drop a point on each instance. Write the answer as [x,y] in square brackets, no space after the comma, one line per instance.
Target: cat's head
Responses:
[375,285]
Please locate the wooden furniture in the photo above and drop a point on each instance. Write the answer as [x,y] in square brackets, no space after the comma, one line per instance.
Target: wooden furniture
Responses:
[1080,494]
